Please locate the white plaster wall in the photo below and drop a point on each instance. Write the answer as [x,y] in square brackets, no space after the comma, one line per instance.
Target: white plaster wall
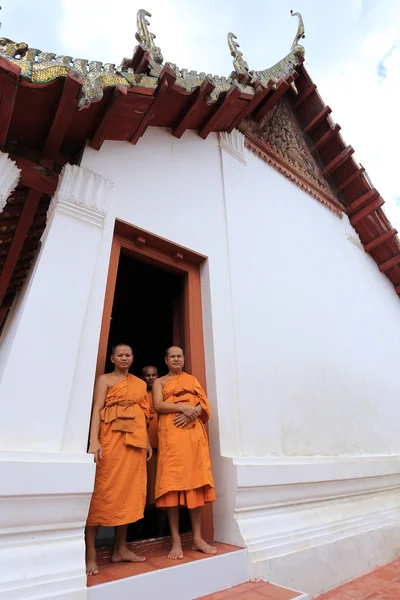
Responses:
[173,189]
[317,326]
[301,338]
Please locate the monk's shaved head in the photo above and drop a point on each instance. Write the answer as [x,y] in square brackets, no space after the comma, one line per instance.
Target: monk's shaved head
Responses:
[149,368]
[168,350]
[115,346]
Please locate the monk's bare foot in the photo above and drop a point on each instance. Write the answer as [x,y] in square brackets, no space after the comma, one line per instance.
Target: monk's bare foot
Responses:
[176,552]
[201,546]
[126,555]
[92,568]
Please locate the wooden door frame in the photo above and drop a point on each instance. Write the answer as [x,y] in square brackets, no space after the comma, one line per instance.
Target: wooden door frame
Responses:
[154,250]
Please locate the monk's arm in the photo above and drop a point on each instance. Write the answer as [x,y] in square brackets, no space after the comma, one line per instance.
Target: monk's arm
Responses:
[99,400]
[166,408]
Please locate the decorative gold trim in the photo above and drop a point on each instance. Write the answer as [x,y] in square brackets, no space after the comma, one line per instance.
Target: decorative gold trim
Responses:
[263,151]
[280,70]
[41,67]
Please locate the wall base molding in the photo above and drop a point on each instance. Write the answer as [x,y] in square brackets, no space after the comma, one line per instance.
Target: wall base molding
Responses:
[44,501]
[322,508]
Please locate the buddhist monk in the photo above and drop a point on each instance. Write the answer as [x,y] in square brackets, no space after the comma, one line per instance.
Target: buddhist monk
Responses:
[184,476]
[120,444]
[150,374]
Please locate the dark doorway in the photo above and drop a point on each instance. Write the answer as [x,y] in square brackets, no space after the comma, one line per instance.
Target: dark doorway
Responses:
[147,314]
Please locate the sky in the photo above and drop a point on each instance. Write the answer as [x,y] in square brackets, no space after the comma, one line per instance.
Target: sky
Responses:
[352,53]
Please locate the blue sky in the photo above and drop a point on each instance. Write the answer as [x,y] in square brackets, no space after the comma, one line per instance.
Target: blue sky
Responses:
[352,53]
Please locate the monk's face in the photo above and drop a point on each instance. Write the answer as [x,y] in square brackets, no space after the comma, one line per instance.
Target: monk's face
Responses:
[175,359]
[150,374]
[122,357]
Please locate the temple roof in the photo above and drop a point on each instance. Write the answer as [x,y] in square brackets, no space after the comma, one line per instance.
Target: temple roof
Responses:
[51,106]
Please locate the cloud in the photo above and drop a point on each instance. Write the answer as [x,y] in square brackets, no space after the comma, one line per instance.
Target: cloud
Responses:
[382,68]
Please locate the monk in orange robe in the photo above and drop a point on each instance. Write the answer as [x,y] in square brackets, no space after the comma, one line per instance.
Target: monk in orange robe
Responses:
[120,444]
[150,374]
[184,476]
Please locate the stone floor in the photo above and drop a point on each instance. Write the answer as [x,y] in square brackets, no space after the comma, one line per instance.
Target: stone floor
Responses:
[254,591]
[381,584]
[155,552]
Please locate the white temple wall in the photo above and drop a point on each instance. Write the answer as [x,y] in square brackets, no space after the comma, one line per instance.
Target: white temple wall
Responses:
[317,326]
[301,343]
[301,347]
[173,189]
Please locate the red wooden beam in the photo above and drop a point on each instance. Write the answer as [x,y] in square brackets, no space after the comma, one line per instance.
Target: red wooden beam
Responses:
[283,87]
[259,95]
[388,264]
[232,95]
[381,239]
[68,103]
[326,138]
[24,223]
[9,77]
[36,176]
[109,117]
[317,120]
[167,79]
[204,90]
[359,202]
[338,160]
[305,95]
[364,212]
[350,179]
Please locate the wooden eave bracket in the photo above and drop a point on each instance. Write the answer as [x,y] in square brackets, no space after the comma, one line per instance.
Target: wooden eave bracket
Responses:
[388,264]
[381,239]
[202,92]
[167,79]
[338,161]
[102,130]
[317,120]
[68,103]
[367,210]
[218,115]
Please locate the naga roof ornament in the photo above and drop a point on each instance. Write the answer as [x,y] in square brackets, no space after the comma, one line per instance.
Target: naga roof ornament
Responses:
[41,67]
[280,70]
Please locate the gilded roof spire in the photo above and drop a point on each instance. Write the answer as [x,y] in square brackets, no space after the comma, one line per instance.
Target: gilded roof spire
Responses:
[278,71]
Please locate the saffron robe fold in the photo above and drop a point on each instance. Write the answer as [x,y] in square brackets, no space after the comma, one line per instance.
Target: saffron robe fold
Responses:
[183,454]
[119,494]
[153,439]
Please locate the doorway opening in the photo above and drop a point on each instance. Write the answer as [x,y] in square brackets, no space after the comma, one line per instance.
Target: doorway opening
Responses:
[147,314]
[152,301]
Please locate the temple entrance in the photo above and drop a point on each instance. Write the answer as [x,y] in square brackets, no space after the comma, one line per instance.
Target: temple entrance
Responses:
[152,301]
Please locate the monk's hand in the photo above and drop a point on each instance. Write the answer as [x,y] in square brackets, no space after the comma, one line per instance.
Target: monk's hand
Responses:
[149,451]
[189,411]
[95,448]
[181,420]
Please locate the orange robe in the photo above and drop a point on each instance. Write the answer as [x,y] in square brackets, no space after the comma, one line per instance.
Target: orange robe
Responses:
[153,439]
[120,486]
[184,475]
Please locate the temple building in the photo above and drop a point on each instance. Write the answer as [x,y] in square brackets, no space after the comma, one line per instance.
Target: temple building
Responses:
[158,206]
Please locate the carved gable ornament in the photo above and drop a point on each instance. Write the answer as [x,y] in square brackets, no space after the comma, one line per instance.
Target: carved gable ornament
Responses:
[279,142]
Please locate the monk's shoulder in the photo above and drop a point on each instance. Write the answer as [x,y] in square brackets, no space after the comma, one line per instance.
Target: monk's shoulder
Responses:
[162,379]
[139,382]
[105,378]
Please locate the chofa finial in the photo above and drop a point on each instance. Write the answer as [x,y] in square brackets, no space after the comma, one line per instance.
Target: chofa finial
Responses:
[145,37]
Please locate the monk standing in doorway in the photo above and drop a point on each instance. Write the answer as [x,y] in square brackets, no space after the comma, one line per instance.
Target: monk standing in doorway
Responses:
[184,476]
[150,374]
[119,442]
